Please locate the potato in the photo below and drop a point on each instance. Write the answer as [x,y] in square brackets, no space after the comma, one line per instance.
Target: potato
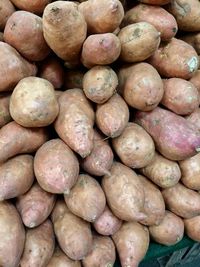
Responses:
[182,201]
[13,67]
[64,34]
[170,231]
[157,16]
[52,70]
[107,223]
[100,83]
[192,228]
[102,254]
[187,14]
[175,59]
[24,32]
[194,118]
[102,16]
[60,259]
[112,116]
[35,206]
[39,246]
[100,160]
[124,72]
[73,234]
[75,121]
[88,191]
[175,137]
[195,80]
[15,139]
[4,109]
[193,39]
[100,49]
[134,146]
[134,38]
[142,88]
[12,235]
[162,172]
[184,100]
[16,176]
[132,242]
[73,79]
[6,10]
[36,6]
[155,2]
[33,103]
[124,193]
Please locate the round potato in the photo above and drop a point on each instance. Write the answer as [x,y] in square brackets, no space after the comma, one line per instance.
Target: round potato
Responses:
[6,10]
[194,118]
[192,228]
[4,109]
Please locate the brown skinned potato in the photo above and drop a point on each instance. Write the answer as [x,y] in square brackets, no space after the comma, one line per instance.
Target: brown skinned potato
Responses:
[194,118]
[6,10]
[74,79]
[4,109]
[36,6]
[192,228]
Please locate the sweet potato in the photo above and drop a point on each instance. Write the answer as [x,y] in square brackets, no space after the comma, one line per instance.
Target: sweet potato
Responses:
[33,103]
[39,246]
[192,228]
[175,137]
[134,38]
[193,39]
[182,201]
[112,116]
[60,259]
[100,49]
[35,206]
[6,10]
[75,121]
[100,83]
[24,32]
[73,234]
[156,2]
[162,172]
[134,146]
[184,100]
[154,205]
[12,235]
[157,16]
[74,79]
[170,231]
[102,16]
[195,80]
[4,109]
[124,193]
[132,242]
[102,254]
[190,169]
[107,223]
[100,160]
[175,59]
[28,140]
[142,88]
[64,34]
[13,67]
[36,6]
[88,191]
[194,118]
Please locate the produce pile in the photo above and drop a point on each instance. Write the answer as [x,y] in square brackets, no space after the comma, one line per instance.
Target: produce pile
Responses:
[99,130]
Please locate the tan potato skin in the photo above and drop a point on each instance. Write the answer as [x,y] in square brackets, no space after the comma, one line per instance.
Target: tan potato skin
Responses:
[73,79]
[192,228]
[194,118]
[124,72]
[56,167]
[195,80]
[124,193]
[184,100]
[6,10]
[134,146]
[39,246]
[60,259]
[35,206]
[154,205]
[175,59]
[155,2]
[58,29]
[88,191]
[4,109]
[100,160]
[100,49]
[12,235]
[24,32]
[102,254]
[134,38]
[193,39]
[170,231]
[182,201]
[112,116]
[132,242]
[107,223]
[75,121]
[13,67]
[100,83]
[16,176]
[28,140]
[102,16]
[36,6]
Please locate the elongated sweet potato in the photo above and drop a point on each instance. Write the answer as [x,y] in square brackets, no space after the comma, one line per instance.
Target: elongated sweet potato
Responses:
[4,109]
[194,118]
[192,228]
[6,10]
[36,6]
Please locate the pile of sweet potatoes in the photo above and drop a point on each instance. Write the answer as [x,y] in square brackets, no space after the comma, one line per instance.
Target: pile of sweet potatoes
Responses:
[99,130]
